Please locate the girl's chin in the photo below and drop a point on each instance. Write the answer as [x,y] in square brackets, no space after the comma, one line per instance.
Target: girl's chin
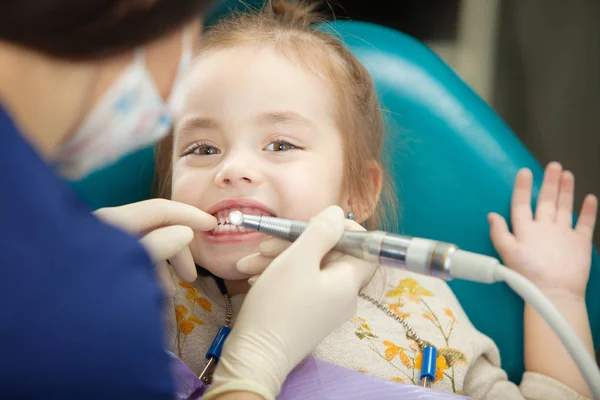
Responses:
[237,282]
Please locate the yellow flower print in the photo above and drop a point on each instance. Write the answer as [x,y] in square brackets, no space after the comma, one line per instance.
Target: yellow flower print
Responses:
[440,365]
[186,327]
[185,285]
[453,356]
[411,289]
[205,304]
[429,316]
[419,360]
[361,333]
[363,330]
[185,323]
[193,295]
[362,370]
[397,379]
[180,312]
[449,313]
[393,350]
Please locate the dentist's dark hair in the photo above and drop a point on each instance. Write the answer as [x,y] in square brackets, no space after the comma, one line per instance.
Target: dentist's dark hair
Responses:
[92,29]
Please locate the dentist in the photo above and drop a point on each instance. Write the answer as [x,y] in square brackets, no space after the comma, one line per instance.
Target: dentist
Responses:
[81,84]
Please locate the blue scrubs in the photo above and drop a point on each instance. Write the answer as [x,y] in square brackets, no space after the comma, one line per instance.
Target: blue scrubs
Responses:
[80,309]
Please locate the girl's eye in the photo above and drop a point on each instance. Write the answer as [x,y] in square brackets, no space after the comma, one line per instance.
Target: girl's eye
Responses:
[280,145]
[202,150]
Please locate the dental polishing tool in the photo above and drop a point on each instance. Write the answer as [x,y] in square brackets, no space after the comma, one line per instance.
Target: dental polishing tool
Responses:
[440,259]
[423,256]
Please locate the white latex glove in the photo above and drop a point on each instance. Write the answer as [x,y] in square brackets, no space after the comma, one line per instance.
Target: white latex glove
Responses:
[166,229]
[293,305]
[255,264]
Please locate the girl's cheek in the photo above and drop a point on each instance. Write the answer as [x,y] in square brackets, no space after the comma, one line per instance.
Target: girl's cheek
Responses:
[188,187]
[305,195]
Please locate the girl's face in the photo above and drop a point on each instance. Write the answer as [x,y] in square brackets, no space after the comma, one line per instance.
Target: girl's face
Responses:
[257,134]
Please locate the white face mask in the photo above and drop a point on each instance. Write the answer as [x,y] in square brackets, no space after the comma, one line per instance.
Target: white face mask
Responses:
[131,115]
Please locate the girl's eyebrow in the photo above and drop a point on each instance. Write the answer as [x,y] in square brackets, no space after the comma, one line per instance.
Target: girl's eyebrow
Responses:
[195,122]
[280,117]
[190,125]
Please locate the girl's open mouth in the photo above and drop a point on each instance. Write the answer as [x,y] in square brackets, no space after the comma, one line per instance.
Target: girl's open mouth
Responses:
[226,232]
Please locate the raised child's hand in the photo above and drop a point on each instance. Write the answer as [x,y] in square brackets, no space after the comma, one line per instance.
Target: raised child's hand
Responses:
[545,248]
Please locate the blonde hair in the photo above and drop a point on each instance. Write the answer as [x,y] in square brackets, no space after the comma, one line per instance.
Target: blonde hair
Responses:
[288,26]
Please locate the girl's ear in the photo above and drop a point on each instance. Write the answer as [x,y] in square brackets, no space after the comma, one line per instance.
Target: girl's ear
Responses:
[363,204]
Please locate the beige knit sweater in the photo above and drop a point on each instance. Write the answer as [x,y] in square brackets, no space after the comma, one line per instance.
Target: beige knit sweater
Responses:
[374,343]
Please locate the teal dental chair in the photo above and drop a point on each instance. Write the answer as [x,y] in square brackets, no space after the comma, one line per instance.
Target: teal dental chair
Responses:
[454,160]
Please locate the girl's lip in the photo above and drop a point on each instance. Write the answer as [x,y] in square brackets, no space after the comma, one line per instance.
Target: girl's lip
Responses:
[233,237]
[240,202]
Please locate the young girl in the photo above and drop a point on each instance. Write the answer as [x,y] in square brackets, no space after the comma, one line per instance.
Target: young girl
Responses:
[280,119]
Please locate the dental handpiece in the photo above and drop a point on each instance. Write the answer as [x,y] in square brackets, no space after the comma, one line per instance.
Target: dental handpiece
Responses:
[423,256]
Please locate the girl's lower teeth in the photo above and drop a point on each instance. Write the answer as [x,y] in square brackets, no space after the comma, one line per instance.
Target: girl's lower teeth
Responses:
[228,228]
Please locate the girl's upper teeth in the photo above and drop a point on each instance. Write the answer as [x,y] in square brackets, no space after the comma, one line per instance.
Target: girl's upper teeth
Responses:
[223,215]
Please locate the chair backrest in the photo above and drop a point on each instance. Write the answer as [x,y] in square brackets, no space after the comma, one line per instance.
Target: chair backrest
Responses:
[454,160]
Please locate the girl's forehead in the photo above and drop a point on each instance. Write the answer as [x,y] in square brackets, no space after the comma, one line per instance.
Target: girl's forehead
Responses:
[245,64]
[256,81]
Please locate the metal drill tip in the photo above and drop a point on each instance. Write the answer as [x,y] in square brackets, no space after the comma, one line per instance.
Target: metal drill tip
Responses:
[236,218]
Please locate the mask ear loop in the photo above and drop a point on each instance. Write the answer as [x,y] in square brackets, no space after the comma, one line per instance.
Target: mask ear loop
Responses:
[186,49]
[175,100]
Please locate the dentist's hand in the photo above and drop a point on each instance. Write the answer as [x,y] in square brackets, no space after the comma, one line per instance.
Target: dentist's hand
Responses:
[166,229]
[294,304]
[255,264]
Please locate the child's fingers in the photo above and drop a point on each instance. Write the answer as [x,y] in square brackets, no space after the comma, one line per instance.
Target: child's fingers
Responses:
[521,199]
[564,214]
[547,201]
[587,217]
[501,237]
